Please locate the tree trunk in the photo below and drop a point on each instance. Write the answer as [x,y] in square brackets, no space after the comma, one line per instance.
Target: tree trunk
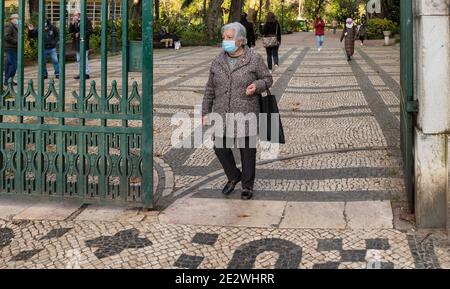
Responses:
[253,9]
[156,9]
[33,7]
[204,11]
[27,12]
[235,10]
[211,18]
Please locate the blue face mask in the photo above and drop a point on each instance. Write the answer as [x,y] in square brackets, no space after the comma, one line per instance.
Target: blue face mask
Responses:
[229,46]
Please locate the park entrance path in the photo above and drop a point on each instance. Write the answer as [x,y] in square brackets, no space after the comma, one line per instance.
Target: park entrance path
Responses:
[340,166]
[325,201]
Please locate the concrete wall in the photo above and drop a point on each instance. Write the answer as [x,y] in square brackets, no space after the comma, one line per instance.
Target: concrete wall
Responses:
[432,89]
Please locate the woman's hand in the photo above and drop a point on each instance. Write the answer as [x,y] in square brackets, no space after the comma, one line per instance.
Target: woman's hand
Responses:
[251,89]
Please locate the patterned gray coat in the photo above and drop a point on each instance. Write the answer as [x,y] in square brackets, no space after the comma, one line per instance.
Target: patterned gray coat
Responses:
[225,91]
[349,39]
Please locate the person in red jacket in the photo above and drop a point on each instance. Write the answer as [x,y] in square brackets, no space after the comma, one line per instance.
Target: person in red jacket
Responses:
[319,26]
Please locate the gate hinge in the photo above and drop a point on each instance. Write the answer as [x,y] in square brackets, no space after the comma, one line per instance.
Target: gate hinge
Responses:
[412,106]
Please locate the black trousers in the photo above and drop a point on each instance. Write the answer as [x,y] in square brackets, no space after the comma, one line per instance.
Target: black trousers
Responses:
[272,52]
[248,161]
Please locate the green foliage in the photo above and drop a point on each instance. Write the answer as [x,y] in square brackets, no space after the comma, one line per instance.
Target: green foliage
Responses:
[342,9]
[376,26]
[12,9]
[312,8]
[392,10]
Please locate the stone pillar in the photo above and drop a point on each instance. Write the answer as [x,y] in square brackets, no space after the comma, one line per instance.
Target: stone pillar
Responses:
[431,88]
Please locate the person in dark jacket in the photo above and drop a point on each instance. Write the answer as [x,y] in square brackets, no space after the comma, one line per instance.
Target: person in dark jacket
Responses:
[74,28]
[319,26]
[362,31]
[251,39]
[349,33]
[51,39]
[272,28]
[10,38]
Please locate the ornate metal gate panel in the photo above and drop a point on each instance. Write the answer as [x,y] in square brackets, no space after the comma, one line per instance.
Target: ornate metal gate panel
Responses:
[86,149]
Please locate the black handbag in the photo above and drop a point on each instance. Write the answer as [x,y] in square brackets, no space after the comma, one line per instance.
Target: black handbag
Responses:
[269,107]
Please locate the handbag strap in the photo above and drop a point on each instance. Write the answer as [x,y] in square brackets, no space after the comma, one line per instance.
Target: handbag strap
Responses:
[267,89]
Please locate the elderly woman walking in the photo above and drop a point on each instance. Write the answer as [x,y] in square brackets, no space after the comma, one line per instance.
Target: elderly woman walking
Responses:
[349,33]
[237,76]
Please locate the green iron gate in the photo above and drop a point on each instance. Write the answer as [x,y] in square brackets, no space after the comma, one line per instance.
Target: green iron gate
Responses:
[407,104]
[70,157]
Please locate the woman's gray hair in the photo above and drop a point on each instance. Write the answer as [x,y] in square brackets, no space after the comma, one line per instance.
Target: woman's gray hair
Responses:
[240,33]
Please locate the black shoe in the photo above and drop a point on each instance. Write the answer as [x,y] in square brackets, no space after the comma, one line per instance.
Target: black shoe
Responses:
[229,187]
[45,77]
[57,76]
[349,58]
[247,193]
[77,77]
[87,76]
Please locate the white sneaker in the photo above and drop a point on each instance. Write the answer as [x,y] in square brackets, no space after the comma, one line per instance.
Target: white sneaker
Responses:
[362,44]
[318,49]
[275,68]
[270,70]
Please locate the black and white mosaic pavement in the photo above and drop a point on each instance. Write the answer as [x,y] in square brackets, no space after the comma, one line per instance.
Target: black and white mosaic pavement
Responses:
[91,244]
[337,116]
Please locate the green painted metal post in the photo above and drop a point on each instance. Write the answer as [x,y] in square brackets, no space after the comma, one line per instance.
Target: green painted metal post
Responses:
[124,148]
[82,97]
[20,54]
[104,56]
[40,99]
[407,97]
[41,60]
[2,45]
[62,58]
[19,173]
[124,55]
[83,18]
[104,85]
[62,94]
[147,102]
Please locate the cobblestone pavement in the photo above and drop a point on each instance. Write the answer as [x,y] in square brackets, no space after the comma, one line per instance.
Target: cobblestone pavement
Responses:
[88,244]
[332,198]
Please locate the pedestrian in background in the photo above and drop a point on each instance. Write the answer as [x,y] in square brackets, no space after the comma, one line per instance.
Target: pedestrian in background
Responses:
[319,26]
[10,38]
[272,40]
[334,25]
[51,39]
[75,29]
[165,37]
[362,31]
[349,33]
[237,76]
[251,39]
